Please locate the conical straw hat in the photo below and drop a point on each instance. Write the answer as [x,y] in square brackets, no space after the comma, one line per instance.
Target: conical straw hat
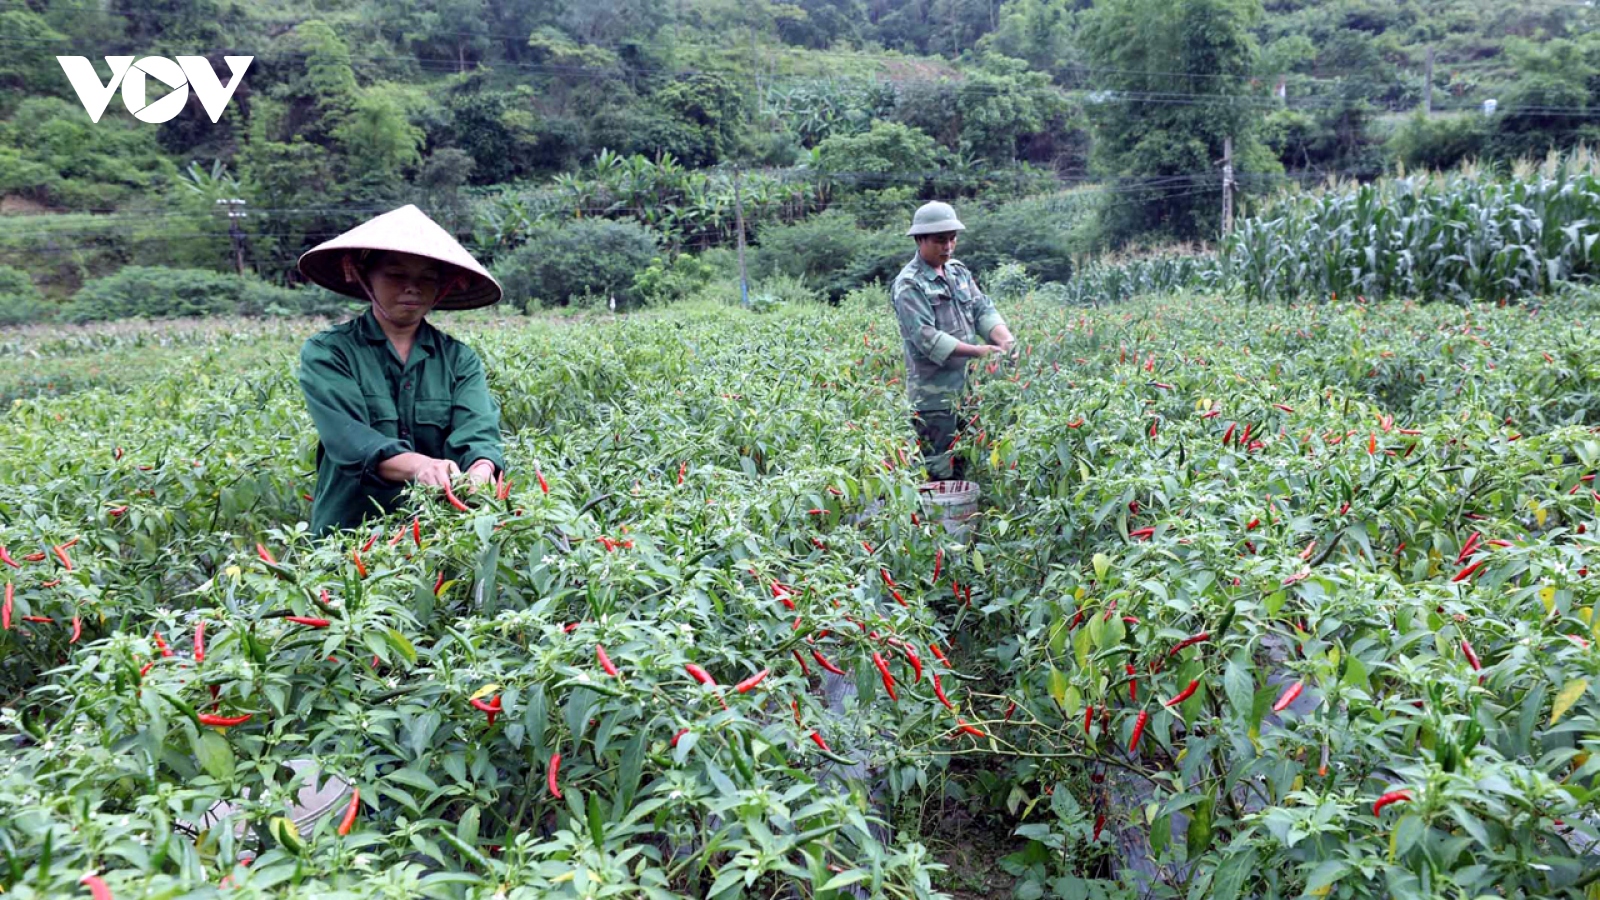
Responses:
[404,230]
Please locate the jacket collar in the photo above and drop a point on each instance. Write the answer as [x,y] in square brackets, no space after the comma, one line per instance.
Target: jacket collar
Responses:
[368,328]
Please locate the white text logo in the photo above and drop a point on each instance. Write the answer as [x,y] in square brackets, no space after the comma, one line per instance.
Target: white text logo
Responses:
[188,71]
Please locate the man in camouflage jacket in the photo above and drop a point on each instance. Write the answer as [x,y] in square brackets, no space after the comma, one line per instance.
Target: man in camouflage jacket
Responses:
[945,322]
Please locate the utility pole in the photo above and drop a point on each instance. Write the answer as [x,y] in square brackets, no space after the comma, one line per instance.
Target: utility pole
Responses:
[236,214]
[738,218]
[1227,186]
[1427,84]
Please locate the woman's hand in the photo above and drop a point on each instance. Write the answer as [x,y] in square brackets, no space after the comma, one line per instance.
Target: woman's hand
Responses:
[419,468]
[480,473]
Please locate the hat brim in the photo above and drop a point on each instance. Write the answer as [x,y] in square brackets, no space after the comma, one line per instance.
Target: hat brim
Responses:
[937,228]
[404,230]
[325,267]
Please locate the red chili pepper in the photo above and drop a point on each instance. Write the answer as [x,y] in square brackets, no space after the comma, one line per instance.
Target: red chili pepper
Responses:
[938,654]
[361,568]
[823,662]
[1228,435]
[77,630]
[1472,655]
[97,887]
[605,661]
[804,669]
[308,621]
[1468,572]
[488,708]
[1076,423]
[883,670]
[916,661]
[1142,533]
[370,541]
[1099,824]
[1076,620]
[40,619]
[1133,684]
[682,468]
[113,513]
[1200,638]
[966,595]
[938,691]
[61,554]
[1468,547]
[223,721]
[1372,443]
[1288,696]
[699,674]
[550,777]
[450,495]
[817,739]
[438,583]
[1285,408]
[416,531]
[1252,525]
[1391,797]
[961,725]
[749,684]
[1088,719]
[161,644]
[868,547]
[145,669]
[938,563]
[1138,730]
[265,554]
[350,811]
[678,737]
[5,557]
[544,486]
[34,557]
[1184,694]
[5,607]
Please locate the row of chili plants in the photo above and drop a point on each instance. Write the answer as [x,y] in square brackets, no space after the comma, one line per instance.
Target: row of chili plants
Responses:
[1213,636]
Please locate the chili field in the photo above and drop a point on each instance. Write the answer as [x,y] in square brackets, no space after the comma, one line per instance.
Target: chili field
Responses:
[1262,601]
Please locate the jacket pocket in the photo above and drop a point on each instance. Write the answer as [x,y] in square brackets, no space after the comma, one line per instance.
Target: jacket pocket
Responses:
[382,415]
[433,425]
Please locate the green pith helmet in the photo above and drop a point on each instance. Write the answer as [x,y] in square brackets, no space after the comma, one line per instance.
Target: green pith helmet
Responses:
[935,218]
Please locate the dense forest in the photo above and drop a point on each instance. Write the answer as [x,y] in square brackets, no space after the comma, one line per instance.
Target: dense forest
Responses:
[593,149]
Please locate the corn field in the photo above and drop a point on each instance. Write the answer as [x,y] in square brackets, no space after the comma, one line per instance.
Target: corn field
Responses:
[1473,234]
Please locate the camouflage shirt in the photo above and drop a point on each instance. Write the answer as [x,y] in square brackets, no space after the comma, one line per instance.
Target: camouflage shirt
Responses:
[936,312]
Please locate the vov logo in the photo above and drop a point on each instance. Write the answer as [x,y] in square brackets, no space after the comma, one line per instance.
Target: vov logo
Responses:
[187,72]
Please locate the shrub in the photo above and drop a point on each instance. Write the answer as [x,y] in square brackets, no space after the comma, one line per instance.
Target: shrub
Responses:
[155,292]
[566,260]
[667,281]
[1438,143]
[20,302]
[830,253]
[1036,233]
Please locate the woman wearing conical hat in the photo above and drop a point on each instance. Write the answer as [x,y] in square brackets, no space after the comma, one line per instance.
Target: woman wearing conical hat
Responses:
[394,399]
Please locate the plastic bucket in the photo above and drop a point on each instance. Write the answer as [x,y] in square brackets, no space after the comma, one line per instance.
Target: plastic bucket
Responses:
[953,503]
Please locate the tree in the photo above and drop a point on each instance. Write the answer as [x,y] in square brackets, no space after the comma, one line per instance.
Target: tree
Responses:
[889,148]
[1038,31]
[28,65]
[456,30]
[824,23]
[1161,135]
